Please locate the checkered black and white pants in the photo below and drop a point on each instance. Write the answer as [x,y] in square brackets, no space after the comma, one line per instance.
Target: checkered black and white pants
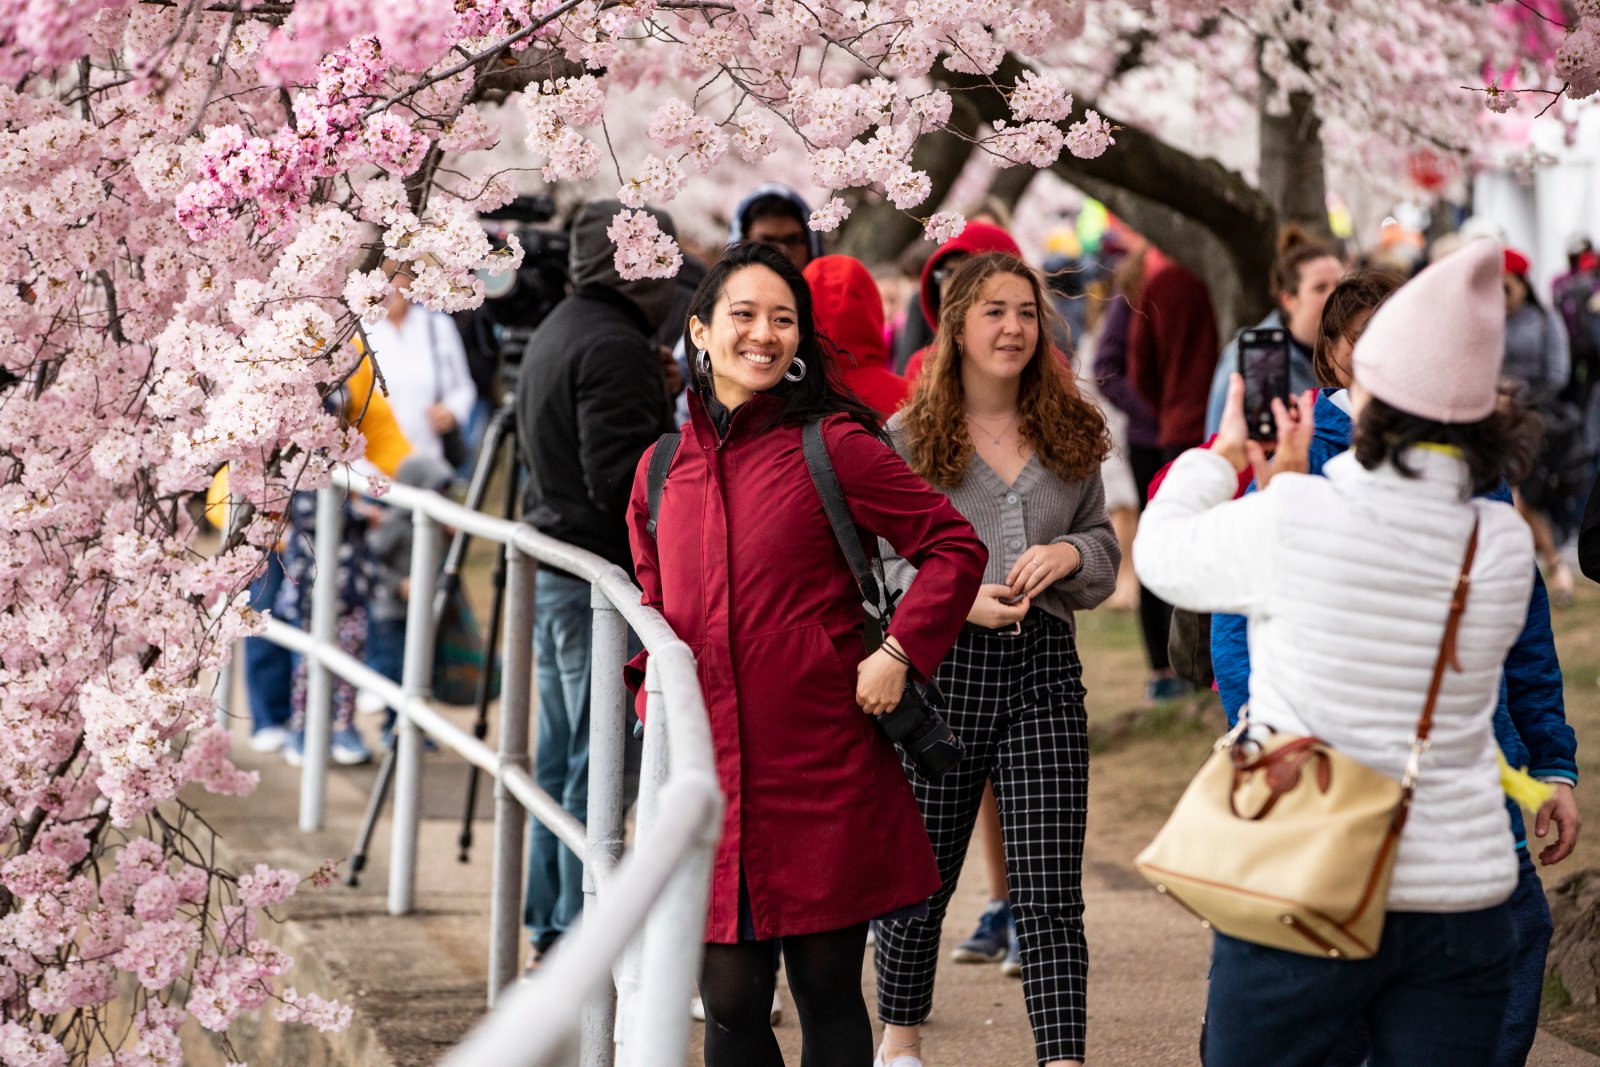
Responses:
[1016,702]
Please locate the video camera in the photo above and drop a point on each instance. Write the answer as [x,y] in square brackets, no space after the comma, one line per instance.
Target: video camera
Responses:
[516,301]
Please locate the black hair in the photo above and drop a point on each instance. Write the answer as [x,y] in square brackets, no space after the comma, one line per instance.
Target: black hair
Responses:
[766,206]
[820,392]
[1502,447]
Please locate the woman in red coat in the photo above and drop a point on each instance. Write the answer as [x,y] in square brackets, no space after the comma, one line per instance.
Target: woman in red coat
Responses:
[821,832]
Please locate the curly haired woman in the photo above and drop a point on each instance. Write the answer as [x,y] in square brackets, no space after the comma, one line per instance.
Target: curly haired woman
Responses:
[998,425]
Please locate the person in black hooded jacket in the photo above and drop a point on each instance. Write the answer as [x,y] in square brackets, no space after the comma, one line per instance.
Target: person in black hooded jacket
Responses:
[590,401]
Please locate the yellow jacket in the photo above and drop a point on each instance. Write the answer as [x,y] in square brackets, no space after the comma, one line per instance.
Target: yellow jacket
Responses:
[368,410]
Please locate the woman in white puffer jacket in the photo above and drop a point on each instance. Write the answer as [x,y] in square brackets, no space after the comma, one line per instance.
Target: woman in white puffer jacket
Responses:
[1346,581]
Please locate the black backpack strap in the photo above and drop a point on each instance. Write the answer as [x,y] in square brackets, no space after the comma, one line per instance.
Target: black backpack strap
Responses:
[820,464]
[656,480]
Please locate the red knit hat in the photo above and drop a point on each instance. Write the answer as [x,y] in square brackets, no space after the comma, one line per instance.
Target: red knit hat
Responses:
[1516,262]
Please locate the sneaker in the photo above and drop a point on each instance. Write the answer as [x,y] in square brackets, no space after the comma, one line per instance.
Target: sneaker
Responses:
[348,749]
[1011,966]
[991,940]
[369,703]
[269,739]
[898,1061]
[294,748]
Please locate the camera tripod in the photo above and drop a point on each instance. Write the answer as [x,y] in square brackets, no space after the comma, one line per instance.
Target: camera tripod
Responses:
[500,437]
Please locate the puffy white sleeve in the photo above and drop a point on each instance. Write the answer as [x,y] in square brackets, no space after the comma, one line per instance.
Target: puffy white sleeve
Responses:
[1201,550]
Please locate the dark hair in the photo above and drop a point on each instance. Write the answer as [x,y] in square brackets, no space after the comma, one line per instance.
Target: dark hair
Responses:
[1296,248]
[1350,306]
[820,392]
[1500,447]
[767,206]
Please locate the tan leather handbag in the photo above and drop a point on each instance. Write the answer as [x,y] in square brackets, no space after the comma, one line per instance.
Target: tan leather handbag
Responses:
[1289,843]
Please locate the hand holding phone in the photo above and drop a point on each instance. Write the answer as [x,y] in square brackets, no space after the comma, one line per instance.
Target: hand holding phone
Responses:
[1264,365]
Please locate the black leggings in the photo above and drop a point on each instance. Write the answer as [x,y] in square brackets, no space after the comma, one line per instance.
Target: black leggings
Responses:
[736,984]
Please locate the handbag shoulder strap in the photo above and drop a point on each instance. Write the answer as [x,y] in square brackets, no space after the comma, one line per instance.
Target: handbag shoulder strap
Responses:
[1447,656]
[823,476]
[656,476]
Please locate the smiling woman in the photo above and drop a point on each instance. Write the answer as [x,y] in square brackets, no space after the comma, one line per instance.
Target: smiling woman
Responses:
[750,342]
[998,423]
[821,832]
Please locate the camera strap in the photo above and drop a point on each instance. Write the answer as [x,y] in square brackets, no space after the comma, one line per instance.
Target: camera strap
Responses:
[868,572]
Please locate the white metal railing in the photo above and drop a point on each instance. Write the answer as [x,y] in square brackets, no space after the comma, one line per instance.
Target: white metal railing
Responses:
[639,942]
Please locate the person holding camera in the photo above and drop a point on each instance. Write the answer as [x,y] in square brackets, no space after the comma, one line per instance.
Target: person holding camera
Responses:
[998,425]
[821,832]
[1350,582]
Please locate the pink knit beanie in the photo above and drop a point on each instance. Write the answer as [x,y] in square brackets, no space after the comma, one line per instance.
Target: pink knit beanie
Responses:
[1434,348]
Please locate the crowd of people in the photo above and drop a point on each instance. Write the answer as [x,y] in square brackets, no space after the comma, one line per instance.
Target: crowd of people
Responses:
[1015,447]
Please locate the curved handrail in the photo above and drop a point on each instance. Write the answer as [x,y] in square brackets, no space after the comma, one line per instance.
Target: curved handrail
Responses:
[657,890]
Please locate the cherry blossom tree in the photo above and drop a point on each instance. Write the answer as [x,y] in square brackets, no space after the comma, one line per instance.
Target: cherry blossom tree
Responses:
[200,201]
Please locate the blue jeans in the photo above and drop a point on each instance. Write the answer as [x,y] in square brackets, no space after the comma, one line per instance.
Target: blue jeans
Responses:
[562,636]
[268,668]
[386,654]
[1530,918]
[1435,993]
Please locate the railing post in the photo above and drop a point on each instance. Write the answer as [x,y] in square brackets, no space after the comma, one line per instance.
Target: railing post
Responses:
[319,680]
[674,936]
[416,680]
[636,1038]
[608,706]
[510,820]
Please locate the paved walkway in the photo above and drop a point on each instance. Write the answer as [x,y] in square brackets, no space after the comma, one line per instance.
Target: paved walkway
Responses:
[417,982]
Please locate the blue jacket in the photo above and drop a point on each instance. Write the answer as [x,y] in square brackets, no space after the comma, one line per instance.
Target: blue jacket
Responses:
[1531,720]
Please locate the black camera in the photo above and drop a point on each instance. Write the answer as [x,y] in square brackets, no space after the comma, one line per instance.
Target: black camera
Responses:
[918,728]
[516,301]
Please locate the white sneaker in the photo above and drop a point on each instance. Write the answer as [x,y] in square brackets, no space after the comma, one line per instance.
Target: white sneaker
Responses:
[898,1061]
[269,739]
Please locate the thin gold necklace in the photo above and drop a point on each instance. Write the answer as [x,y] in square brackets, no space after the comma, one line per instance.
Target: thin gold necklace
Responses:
[994,438]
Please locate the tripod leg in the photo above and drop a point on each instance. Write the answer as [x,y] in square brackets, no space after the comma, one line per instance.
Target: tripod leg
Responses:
[480,725]
[496,434]
[369,822]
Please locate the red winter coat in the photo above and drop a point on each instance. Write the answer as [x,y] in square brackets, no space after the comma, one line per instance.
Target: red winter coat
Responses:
[745,568]
[849,312]
[1172,350]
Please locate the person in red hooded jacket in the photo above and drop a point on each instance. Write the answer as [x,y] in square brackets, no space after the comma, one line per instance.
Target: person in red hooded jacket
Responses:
[977,238]
[849,312]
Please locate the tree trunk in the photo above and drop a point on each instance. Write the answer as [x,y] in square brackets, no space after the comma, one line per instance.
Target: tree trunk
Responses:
[1293,180]
[1008,185]
[1202,214]
[877,231]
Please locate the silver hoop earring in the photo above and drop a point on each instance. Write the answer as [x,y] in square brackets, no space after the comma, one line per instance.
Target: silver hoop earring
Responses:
[793,374]
[702,363]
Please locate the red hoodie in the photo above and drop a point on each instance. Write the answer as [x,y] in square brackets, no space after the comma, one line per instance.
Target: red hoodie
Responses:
[849,312]
[976,239]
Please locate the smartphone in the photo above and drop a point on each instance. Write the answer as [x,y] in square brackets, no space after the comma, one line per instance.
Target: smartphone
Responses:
[1264,364]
